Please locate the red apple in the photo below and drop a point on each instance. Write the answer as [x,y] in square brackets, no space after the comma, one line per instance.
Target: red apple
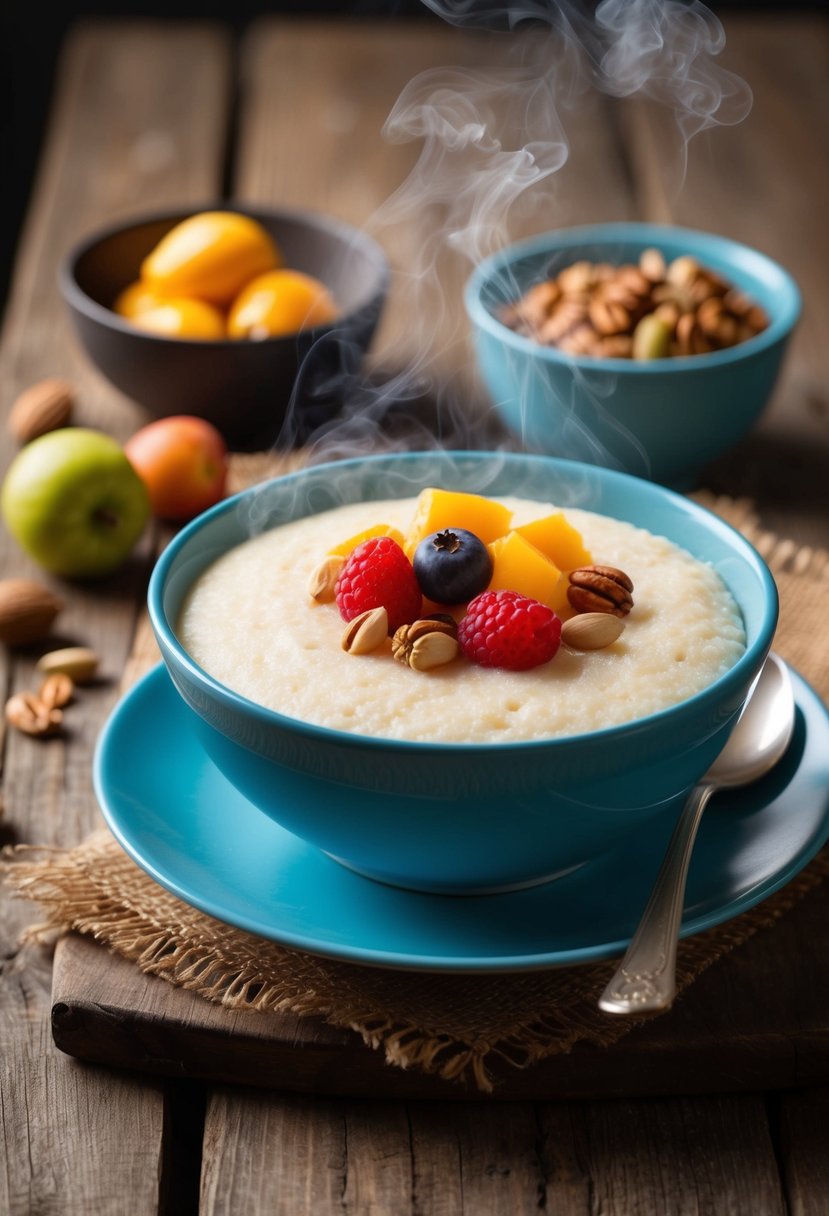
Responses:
[182,461]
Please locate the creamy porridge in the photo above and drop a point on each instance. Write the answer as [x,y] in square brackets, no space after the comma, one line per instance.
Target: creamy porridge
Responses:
[249,621]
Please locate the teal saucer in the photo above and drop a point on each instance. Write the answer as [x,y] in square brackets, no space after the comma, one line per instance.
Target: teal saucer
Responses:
[194,833]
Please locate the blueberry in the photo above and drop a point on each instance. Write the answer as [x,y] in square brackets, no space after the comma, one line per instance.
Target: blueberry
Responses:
[452,566]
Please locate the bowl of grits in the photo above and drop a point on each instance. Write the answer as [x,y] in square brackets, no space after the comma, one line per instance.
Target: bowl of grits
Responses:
[461,778]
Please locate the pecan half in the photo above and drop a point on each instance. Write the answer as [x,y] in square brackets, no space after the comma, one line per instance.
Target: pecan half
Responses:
[600,589]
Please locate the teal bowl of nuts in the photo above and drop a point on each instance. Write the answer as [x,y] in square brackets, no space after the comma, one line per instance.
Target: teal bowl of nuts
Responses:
[646,348]
[463,776]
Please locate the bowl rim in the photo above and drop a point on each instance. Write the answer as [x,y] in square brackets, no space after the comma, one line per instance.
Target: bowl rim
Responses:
[76,297]
[782,323]
[169,644]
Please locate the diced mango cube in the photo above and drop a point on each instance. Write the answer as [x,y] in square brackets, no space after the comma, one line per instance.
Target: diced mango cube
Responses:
[346,546]
[438,509]
[557,539]
[519,566]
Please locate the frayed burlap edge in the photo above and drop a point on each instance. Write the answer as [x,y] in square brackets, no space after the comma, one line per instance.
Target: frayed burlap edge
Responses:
[454,1027]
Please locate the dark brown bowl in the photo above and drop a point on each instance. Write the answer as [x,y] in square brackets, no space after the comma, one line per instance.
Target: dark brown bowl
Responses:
[258,393]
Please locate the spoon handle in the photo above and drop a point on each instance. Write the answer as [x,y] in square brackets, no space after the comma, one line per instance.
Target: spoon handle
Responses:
[645,980]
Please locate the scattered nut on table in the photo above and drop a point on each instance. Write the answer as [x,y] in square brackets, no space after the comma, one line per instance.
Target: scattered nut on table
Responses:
[56,690]
[27,713]
[44,406]
[78,662]
[27,610]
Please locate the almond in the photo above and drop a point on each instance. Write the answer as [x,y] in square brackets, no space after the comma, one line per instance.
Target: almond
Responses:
[27,610]
[77,662]
[44,406]
[592,631]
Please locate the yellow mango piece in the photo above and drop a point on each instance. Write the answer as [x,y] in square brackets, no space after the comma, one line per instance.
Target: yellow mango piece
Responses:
[347,546]
[210,255]
[438,509]
[519,566]
[557,539]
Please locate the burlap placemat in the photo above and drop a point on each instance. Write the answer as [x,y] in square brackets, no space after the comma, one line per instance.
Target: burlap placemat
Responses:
[452,1026]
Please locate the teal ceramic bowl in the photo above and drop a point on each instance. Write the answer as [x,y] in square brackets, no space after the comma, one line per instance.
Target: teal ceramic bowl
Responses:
[663,419]
[451,817]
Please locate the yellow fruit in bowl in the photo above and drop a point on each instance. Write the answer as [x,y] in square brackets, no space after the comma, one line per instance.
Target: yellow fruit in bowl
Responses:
[210,255]
[350,544]
[557,539]
[437,509]
[136,298]
[278,303]
[518,566]
[183,318]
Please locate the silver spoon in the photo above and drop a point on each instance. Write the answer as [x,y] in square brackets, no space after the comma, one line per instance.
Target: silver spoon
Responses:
[645,980]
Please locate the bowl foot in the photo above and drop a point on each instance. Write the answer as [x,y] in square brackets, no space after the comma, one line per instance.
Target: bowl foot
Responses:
[438,888]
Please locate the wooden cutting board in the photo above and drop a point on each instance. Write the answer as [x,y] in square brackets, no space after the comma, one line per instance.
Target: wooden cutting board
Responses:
[757,1019]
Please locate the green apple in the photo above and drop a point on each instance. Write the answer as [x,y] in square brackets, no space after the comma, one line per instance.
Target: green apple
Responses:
[74,502]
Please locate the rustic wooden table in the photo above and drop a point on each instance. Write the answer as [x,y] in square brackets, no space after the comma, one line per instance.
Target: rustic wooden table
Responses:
[146,114]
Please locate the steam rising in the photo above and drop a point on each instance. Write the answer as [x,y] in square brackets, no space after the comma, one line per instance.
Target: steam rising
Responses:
[491,146]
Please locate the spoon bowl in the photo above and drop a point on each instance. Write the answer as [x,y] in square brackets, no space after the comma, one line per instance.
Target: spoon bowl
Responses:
[645,980]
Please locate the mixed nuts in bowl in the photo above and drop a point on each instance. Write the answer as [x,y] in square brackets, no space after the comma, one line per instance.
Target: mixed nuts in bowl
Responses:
[647,348]
[650,309]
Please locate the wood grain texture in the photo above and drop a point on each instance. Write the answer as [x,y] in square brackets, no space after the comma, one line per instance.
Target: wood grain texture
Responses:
[759,182]
[804,1148]
[138,119]
[367,151]
[284,1154]
[686,1156]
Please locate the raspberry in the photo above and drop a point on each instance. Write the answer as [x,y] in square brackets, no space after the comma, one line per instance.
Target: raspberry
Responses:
[505,629]
[378,574]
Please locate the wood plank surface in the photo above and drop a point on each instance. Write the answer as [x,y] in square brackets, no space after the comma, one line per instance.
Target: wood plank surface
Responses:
[126,135]
[686,1157]
[803,1121]
[357,154]
[759,182]
[140,117]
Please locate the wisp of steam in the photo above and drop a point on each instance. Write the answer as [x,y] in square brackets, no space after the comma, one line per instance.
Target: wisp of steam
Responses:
[491,144]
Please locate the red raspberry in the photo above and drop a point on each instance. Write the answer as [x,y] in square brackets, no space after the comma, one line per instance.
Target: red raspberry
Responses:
[378,574]
[505,629]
